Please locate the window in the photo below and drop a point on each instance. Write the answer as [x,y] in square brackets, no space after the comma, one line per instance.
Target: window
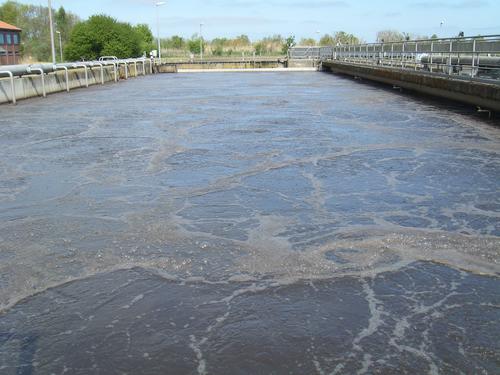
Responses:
[9,39]
[16,38]
[2,39]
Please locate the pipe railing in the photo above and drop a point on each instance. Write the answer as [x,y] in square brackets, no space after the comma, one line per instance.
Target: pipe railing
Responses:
[12,86]
[469,57]
[66,74]
[15,71]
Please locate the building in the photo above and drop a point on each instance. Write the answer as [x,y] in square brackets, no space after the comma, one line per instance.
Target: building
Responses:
[10,44]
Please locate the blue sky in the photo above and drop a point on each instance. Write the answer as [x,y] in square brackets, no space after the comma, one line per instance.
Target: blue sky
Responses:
[258,18]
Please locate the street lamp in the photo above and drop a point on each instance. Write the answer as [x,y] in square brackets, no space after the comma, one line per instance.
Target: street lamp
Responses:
[158,5]
[52,43]
[60,44]
[201,42]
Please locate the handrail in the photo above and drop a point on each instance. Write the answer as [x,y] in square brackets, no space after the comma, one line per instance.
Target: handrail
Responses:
[12,71]
[85,66]
[102,71]
[465,57]
[12,86]
[58,67]
[42,75]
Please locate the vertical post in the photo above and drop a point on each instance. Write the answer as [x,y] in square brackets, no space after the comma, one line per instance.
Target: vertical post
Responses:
[403,62]
[201,42]
[392,53]
[158,5]
[432,56]
[450,69]
[416,55]
[12,86]
[52,43]
[473,69]
[60,44]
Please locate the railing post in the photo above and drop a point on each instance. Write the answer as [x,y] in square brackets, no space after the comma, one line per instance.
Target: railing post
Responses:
[473,69]
[450,68]
[66,74]
[416,55]
[403,62]
[432,56]
[12,86]
[86,72]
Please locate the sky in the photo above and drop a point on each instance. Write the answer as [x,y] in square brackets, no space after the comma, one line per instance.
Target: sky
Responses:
[302,18]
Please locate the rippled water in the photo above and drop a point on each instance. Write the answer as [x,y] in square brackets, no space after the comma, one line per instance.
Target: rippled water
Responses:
[257,223]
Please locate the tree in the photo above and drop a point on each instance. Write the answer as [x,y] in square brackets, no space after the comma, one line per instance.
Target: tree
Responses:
[289,43]
[339,38]
[194,44]
[10,12]
[103,35]
[388,36]
[307,42]
[175,42]
[218,46]
[33,20]
[146,36]
[327,40]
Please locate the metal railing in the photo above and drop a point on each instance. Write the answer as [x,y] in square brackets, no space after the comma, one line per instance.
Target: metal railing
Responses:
[16,71]
[466,57]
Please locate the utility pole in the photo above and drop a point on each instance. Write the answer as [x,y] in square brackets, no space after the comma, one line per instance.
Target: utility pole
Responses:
[60,44]
[158,5]
[52,43]
[201,42]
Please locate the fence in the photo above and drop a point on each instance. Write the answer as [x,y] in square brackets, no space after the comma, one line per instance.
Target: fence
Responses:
[472,57]
[14,72]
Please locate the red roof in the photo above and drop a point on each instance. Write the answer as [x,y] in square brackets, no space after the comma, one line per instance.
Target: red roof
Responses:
[6,26]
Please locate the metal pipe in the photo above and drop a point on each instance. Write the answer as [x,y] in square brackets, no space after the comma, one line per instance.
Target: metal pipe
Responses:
[85,66]
[12,86]
[102,71]
[42,75]
[126,69]
[66,75]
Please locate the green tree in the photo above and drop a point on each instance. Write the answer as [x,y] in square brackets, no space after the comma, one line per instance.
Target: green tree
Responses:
[33,20]
[218,46]
[103,35]
[289,43]
[175,42]
[147,39]
[389,36]
[307,42]
[327,40]
[194,45]
[10,12]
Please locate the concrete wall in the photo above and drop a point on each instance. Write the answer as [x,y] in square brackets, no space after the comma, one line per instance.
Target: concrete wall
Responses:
[302,63]
[484,95]
[218,65]
[31,86]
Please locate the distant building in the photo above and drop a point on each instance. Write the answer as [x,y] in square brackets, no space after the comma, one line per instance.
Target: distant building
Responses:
[10,43]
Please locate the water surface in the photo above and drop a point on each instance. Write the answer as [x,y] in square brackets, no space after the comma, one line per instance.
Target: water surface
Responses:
[258,223]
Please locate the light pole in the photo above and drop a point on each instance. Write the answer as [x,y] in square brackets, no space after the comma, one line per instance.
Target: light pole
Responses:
[60,44]
[52,43]
[158,5]
[201,42]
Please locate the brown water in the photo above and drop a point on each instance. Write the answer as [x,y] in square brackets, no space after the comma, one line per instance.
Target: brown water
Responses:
[258,223]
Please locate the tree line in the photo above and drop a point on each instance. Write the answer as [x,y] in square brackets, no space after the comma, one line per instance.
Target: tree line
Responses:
[103,35]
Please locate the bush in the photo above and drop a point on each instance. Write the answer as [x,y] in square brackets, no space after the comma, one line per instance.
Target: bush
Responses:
[101,35]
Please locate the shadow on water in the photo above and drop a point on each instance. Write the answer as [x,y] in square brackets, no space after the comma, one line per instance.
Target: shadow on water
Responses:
[491,118]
